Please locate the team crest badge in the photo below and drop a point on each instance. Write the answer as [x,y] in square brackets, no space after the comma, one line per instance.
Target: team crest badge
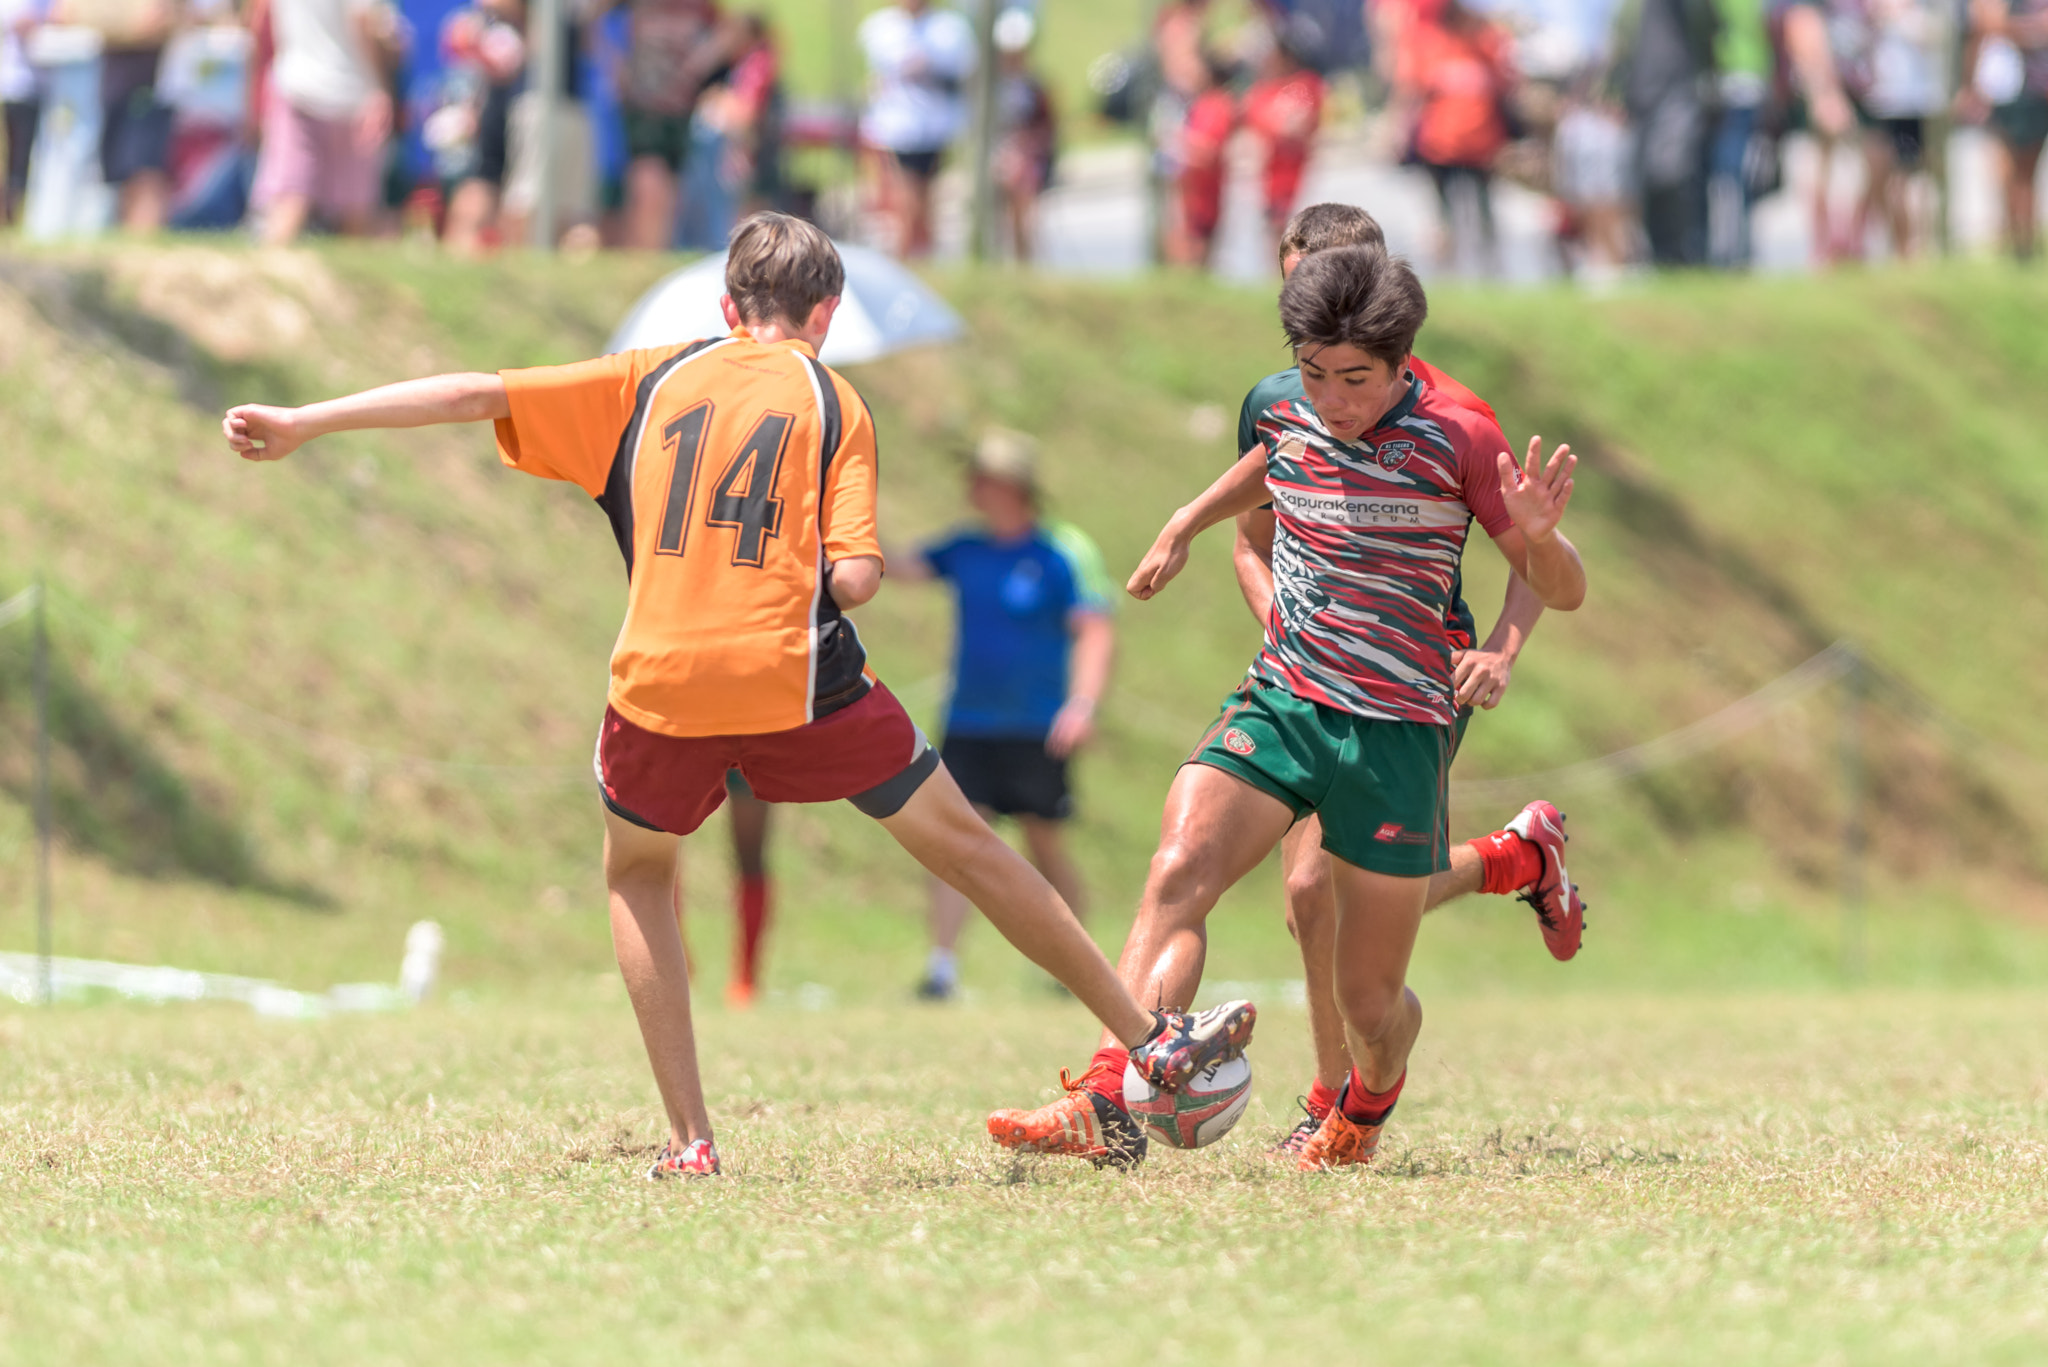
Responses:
[1392,455]
[1237,742]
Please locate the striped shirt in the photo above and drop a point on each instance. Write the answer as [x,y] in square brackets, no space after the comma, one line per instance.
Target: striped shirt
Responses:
[1367,539]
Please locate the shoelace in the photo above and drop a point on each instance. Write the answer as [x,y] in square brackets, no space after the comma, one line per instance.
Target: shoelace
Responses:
[1071,1084]
[1535,904]
[1303,1130]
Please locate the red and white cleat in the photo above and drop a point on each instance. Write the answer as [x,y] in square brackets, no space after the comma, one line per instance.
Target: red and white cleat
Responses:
[698,1158]
[1555,899]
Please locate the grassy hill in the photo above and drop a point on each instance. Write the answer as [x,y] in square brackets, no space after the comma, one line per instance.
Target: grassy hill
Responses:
[302,705]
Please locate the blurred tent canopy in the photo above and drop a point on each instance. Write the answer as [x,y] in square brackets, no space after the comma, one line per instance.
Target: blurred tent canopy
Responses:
[885,308]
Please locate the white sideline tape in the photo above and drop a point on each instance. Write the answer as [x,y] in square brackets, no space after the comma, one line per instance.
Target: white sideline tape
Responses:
[21,977]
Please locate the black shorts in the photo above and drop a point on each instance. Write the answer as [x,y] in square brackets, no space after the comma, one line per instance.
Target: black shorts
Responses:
[666,136]
[1908,139]
[136,134]
[1009,777]
[923,165]
[22,118]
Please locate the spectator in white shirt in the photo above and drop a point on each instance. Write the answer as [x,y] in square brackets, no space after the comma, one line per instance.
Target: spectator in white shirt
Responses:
[919,59]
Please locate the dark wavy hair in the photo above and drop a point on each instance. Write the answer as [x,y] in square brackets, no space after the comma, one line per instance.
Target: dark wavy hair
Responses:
[1354,296]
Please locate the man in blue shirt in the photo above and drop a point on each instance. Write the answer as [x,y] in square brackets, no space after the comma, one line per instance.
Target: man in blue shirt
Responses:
[1029,665]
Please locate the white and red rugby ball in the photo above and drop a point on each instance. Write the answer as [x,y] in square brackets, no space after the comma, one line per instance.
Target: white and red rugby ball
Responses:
[1200,1113]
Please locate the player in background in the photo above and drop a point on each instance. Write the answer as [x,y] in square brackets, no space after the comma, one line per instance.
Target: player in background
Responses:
[752,890]
[1348,710]
[739,478]
[1031,660]
[1527,856]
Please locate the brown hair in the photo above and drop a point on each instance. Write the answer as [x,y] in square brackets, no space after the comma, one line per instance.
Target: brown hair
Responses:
[1354,296]
[1319,227]
[780,267]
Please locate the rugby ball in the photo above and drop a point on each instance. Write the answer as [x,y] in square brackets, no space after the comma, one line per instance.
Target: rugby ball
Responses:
[1200,1113]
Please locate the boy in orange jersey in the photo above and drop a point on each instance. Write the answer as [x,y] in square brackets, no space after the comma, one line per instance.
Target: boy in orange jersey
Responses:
[739,477]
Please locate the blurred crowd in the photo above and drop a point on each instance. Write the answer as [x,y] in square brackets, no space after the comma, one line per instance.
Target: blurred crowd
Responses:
[363,117]
[1653,138]
[1654,135]
[368,117]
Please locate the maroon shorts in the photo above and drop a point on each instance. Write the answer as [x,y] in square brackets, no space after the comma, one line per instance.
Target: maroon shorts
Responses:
[870,753]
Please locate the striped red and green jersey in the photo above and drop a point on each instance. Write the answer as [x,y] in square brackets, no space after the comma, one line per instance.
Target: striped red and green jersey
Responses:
[1286,384]
[1367,539]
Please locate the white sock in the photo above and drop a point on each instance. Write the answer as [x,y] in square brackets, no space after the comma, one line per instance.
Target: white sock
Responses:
[942,966]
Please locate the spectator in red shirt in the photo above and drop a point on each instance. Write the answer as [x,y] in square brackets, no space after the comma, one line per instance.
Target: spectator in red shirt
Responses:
[1283,109]
[1454,76]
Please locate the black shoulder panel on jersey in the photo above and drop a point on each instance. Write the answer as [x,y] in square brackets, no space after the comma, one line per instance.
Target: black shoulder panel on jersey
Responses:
[617,498]
[831,422]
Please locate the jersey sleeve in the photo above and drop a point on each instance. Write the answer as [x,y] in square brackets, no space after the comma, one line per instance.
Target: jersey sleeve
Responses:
[846,513]
[567,420]
[1092,589]
[1248,422]
[1479,444]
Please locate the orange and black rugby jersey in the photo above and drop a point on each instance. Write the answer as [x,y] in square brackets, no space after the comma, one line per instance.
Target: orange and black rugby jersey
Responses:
[734,472]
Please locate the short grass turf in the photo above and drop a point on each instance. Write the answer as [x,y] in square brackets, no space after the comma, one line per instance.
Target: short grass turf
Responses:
[1762,1179]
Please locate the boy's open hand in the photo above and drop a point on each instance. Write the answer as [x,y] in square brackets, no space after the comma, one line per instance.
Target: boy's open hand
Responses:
[1536,493]
[257,431]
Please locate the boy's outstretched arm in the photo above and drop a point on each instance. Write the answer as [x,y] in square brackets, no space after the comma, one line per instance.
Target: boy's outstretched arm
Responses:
[260,432]
[1241,489]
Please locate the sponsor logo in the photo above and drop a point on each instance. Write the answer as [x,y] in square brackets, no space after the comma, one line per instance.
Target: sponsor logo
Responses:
[1392,455]
[1237,742]
[1390,830]
[1367,510]
[1393,833]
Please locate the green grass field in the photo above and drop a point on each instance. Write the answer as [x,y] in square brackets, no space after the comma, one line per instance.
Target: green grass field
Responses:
[1615,1179]
[1710,1138]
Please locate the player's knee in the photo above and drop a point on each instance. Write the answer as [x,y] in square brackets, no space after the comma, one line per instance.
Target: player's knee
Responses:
[1183,874]
[1311,903]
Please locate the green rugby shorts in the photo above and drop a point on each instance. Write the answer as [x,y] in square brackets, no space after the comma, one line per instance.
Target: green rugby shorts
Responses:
[1379,786]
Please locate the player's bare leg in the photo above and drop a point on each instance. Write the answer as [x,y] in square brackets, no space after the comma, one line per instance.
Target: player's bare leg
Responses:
[945,920]
[751,892]
[1377,919]
[1215,830]
[943,832]
[1046,843]
[640,873]
[1312,920]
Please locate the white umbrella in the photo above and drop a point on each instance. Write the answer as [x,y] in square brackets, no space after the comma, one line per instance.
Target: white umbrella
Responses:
[885,308]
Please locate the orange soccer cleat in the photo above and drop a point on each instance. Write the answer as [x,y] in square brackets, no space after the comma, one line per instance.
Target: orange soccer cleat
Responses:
[1340,1141]
[1089,1122]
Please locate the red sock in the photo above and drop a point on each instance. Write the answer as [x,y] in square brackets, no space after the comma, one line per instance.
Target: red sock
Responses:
[753,916]
[1105,1073]
[1371,1108]
[1320,1099]
[1507,862]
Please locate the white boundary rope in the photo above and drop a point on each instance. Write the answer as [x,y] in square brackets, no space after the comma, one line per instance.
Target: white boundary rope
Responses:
[18,607]
[1836,662]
